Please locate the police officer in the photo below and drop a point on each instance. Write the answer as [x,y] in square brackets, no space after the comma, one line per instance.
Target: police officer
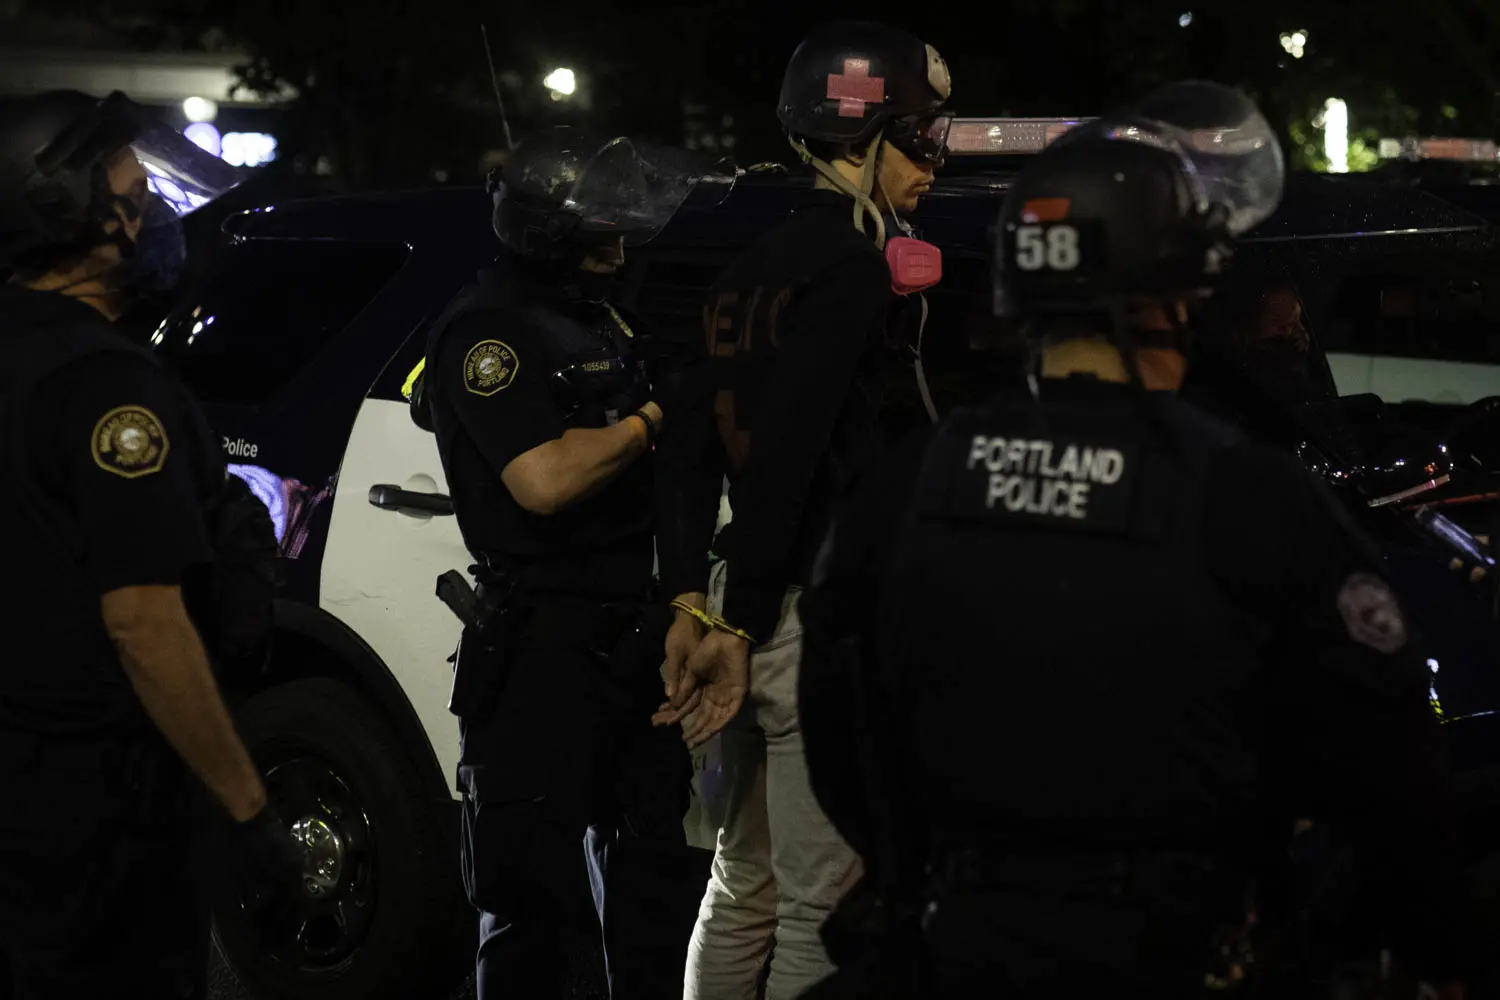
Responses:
[794,339]
[1076,663]
[540,400]
[108,468]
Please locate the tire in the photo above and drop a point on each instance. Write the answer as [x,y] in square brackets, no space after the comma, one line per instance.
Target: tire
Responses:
[383,914]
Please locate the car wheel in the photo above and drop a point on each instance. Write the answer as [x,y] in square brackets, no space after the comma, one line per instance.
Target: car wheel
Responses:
[382,911]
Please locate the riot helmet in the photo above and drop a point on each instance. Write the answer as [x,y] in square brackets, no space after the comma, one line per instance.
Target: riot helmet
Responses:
[1141,204]
[58,198]
[564,191]
[853,84]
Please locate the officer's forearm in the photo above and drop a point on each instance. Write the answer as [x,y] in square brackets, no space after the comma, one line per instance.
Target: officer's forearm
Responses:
[554,476]
[164,659]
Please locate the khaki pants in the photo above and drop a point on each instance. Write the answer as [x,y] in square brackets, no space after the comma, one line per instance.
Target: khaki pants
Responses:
[779,865]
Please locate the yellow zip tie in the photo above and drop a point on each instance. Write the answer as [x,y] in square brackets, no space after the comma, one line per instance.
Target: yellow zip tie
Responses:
[724,626]
[688,608]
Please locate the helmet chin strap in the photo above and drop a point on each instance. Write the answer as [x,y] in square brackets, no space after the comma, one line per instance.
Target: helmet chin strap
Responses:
[864,205]
[901,224]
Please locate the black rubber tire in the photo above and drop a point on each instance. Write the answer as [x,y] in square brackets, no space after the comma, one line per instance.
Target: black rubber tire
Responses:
[408,950]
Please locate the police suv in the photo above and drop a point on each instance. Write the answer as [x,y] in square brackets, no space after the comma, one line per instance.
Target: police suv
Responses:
[299,341]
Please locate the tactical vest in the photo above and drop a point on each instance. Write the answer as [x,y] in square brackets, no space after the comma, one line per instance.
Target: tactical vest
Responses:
[599,376]
[1071,671]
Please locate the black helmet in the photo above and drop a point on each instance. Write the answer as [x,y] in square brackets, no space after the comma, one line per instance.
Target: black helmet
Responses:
[1141,203]
[563,189]
[848,80]
[53,187]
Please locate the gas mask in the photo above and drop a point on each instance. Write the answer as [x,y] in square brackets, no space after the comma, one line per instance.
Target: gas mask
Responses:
[915,264]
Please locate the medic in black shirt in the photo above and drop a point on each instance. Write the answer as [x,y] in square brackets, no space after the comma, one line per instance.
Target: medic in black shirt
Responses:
[1077,663]
[109,471]
[540,395]
[793,340]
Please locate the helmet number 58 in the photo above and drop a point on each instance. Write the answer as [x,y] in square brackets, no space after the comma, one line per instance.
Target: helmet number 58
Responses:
[1054,248]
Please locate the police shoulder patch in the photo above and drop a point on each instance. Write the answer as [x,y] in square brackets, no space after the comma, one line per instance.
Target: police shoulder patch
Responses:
[129,441]
[1371,613]
[490,366]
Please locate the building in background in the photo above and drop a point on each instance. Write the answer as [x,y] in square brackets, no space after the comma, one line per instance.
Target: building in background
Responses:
[196,92]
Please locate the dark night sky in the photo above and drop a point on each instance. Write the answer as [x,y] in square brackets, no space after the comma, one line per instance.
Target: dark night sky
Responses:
[396,91]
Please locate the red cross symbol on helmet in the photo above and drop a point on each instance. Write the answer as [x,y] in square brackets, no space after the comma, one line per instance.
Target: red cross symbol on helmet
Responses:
[855,87]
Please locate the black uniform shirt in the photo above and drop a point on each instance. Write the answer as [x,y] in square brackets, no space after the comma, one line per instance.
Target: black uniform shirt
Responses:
[112,464]
[793,332]
[494,398]
[1102,637]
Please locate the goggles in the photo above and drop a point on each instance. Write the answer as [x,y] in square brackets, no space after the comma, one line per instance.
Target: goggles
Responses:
[921,138]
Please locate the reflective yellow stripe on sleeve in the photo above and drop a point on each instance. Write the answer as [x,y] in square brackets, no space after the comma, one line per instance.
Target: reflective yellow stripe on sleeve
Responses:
[411,379]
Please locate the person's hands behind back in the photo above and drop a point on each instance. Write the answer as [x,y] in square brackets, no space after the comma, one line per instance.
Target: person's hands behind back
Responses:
[682,640]
[717,677]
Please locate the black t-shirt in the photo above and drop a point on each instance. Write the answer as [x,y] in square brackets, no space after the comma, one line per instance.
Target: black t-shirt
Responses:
[1079,629]
[117,464]
[788,403]
[495,397]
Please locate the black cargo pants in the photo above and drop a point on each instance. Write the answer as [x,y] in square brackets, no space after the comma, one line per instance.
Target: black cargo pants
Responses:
[98,843]
[569,791]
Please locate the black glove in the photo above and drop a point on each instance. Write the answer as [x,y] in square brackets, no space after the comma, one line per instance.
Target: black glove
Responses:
[268,858]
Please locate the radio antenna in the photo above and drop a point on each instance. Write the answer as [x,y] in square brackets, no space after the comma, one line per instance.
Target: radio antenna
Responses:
[489,59]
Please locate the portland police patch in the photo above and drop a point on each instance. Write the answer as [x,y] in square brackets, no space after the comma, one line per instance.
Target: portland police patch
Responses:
[489,367]
[129,441]
[1371,613]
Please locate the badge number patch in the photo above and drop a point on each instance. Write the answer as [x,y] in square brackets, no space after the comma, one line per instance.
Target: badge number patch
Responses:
[130,442]
[490,366]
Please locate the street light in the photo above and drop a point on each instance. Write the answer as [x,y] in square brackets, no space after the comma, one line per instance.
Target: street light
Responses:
[1294,42]
[200,109]
[561,82]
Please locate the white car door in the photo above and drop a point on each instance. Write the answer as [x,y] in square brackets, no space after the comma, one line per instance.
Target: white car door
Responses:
[380,565]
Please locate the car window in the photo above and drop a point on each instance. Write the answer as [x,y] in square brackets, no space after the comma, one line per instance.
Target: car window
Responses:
[1450,317]
[1417,329]
[267,309]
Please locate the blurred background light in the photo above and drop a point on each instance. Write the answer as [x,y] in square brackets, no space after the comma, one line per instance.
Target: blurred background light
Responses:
[200,109]
[248,149]
[1336,135]
[205,137]
[561,81]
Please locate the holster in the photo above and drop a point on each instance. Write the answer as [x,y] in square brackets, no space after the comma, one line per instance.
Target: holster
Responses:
[481,660]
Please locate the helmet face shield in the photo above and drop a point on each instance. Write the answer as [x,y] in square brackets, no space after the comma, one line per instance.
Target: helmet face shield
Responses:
[1228,149]
[181,174]
[633,189]
[184,176]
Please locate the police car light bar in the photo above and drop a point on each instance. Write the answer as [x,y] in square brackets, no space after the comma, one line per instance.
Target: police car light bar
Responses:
[1006,136]
[1435,148]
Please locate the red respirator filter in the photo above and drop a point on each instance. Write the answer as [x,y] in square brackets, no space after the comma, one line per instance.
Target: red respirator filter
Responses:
[916,265]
